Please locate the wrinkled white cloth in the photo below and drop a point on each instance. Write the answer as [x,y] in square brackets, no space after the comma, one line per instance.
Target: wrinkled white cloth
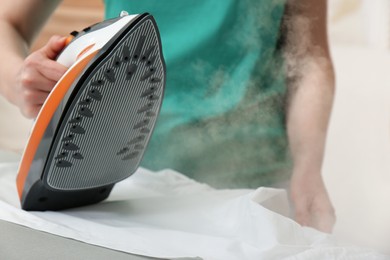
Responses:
[167,215]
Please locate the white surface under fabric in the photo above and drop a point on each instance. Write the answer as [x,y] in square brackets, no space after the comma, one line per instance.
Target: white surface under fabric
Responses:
[167,215]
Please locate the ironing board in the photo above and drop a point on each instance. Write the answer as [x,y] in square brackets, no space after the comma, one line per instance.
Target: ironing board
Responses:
[18,242]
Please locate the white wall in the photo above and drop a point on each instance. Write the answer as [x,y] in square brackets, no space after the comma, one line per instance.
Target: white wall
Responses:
[357,163]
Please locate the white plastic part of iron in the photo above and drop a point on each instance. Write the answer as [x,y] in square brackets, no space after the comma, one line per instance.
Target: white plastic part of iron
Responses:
[123,13]
[96,39]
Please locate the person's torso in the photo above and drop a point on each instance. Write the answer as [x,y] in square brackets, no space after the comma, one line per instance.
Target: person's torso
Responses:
[224,79]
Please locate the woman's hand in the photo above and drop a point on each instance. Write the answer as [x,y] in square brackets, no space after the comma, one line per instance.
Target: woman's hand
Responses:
[311,201]
[37,76]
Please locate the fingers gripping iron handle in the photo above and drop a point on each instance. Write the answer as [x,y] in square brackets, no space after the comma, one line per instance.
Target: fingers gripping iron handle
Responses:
[96,124]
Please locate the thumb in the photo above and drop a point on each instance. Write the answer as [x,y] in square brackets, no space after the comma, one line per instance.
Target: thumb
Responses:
[54,46]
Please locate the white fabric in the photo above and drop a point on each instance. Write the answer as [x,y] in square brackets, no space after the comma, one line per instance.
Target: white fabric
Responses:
[165,214]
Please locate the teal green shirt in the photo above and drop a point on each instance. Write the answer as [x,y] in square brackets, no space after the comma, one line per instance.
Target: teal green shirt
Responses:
[222,119]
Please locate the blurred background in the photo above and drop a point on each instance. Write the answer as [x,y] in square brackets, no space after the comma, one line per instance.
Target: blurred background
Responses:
[357,162]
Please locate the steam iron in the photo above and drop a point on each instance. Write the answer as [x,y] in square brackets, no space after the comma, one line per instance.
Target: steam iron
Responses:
[95,125]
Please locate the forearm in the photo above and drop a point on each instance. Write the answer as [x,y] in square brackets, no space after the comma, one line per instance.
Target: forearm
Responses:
[310,79]
[13,50]
[310,104]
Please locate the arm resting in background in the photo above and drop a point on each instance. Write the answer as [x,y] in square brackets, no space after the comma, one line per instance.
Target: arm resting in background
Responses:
[311,92]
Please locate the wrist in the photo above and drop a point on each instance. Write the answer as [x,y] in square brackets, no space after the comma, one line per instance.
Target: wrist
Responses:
[306,180]
[8,80]
[307,169]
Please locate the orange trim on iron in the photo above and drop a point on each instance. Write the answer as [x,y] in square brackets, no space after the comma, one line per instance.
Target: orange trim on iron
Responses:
[85,50]
[43,119]
[68,39]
